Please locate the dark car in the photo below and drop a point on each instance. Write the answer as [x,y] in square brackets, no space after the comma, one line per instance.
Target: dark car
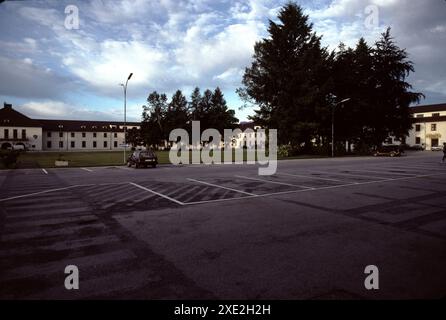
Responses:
[142,158]
[389,151]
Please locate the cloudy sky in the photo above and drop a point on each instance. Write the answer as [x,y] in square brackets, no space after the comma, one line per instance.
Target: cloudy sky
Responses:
[50,71]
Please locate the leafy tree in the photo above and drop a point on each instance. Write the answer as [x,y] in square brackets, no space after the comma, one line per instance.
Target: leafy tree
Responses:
[133,136]
[153,115]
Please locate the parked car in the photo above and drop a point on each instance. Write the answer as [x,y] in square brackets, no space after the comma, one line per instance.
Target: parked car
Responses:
[142,158]
[388,151]
[437,148]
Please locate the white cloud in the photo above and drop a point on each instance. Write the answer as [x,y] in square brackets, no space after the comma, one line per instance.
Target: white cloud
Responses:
[55,109]
[114,60]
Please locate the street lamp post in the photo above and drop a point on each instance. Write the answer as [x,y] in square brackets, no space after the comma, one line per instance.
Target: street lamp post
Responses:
[332,123]
[125,115]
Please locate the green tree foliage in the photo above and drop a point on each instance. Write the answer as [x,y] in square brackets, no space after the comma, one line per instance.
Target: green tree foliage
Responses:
[289,78]
[153,115]
[295,83]
[160,117]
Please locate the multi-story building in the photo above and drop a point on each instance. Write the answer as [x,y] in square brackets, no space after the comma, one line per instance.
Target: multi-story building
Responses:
[429,126]
[60,135]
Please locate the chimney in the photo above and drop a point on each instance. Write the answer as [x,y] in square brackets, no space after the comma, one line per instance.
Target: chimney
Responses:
[7,105]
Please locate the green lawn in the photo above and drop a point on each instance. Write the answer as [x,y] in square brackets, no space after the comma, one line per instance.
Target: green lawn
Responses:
[89,159]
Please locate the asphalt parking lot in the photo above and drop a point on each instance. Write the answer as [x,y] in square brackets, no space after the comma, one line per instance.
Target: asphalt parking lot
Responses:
[222,231]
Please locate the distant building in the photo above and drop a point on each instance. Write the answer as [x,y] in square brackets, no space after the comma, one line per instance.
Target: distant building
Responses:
[60,135]
[429,126]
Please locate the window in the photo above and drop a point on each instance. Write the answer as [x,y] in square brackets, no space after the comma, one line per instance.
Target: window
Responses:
[435,114]
[83,134]
[72,144]
[116,135]
[417,128]
[72,134]
[48,144]
[389,140]
[115,144]
[60,144]
[94,134]
[6,134]
[23,134]
[84,144]
[417,140]
[420,115]
[48,134]
[94,144]
[14,134]
[433,127]
[60,134]
[105,144]
[105,134]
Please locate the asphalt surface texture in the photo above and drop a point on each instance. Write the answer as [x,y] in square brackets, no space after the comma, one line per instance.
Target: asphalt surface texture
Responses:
[224,232]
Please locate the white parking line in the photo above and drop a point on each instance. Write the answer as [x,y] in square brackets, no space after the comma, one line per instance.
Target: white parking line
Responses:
[89,170]
[316,189]
[384,172]
[419,167]
[310,177]
[44,171]
[222,187]
[351,175]
[157,193]
[276,182]
[45,191]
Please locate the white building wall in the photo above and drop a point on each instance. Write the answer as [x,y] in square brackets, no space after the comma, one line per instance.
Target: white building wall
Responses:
[426,136]
[33,139]
[113,140]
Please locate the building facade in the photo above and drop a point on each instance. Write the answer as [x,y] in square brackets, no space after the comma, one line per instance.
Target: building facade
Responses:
[429,126]
[16,129]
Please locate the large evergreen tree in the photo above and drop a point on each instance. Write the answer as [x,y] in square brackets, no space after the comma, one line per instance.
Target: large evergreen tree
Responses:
[289,78]
[391,114]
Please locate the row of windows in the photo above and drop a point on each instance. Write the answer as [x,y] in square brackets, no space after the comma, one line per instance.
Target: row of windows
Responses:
[15,134]
[433,115]
[84,134]
[433,127]
[49,144]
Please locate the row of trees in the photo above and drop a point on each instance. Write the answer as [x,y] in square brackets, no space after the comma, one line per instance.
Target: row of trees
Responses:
[295,83]
[161,116]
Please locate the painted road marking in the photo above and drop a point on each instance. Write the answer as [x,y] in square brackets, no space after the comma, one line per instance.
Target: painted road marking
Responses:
[157,193]
[45,191]
[44,171]
[351,175]
[309,177]
[222,187]
[89,170]
[276,182]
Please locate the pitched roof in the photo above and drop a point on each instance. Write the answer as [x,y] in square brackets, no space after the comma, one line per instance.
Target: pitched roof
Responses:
[11,117]
[84,125]
[428,108]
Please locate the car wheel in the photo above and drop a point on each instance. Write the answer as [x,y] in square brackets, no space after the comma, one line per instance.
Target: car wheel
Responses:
[129,164]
